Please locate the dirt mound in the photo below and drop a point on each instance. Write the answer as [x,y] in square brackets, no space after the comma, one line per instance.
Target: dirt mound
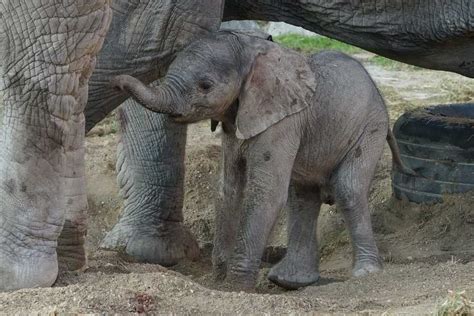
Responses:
[405,232]
[111,286]
[428,232]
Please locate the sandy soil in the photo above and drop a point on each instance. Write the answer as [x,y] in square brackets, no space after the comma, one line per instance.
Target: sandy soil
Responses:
[427,250]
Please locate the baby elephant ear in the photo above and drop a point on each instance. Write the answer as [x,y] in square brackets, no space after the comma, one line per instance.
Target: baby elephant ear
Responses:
[279,84]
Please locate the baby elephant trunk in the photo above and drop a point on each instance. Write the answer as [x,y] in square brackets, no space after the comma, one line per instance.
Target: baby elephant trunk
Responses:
[161,99]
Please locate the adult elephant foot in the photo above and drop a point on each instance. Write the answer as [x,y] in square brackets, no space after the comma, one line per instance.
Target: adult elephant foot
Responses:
[164,244]
[28,234]
[33,198]
[150,167]
[28,270]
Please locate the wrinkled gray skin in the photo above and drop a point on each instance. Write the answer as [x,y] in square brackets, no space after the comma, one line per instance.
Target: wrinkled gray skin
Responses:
[46,66]
[431,34]
[47,62]
[319,122]
[49,50]
[150,162]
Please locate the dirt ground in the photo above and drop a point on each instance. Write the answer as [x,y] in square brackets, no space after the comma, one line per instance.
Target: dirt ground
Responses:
[427,250]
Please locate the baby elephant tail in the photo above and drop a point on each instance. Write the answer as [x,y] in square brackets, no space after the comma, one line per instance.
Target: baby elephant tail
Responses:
[397,160]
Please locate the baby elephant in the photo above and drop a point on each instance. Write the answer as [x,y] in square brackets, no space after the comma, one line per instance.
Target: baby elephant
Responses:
[316,121]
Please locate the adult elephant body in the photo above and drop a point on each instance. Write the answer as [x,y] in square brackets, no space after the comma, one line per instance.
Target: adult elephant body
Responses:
[430,34]
[49,50]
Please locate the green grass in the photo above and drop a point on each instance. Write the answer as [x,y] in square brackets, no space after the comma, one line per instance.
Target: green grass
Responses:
[384,62]
[391,64]
[313,44]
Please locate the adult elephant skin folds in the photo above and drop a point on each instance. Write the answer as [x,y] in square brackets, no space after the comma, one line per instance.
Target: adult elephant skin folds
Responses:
[49,50]
[431,34]
[48,54]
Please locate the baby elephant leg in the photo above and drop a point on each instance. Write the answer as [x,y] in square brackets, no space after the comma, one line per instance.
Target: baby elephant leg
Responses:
[300,265]
[269,162]
[228,208]
[351,187]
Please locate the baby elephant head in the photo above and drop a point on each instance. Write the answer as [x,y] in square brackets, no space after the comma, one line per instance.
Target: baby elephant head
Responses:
[206,78]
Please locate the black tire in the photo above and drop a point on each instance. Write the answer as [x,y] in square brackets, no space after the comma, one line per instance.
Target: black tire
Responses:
[438,143]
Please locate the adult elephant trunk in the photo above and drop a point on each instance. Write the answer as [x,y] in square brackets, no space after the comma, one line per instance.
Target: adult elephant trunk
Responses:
[48,54]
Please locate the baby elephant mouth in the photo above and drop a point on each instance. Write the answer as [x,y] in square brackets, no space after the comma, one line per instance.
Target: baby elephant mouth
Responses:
[178,118]
[184,119]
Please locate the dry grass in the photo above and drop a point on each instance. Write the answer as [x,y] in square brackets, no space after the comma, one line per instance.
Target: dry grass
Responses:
[457,91]
[107,126]
[450,91]
[395,103]
[455,304]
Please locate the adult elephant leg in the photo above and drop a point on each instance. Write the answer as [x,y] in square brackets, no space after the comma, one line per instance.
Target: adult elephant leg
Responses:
[71,242]
[150,168]
[48,50]
[148,152]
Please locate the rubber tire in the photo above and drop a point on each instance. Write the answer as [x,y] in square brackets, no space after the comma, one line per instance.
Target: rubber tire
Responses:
[438,143]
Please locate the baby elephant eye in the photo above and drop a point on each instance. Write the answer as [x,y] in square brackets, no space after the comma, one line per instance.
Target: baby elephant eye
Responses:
[205,85]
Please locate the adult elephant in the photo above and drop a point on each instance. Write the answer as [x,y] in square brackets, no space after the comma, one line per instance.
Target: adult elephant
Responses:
[49,50]
[51,66]
[431,34]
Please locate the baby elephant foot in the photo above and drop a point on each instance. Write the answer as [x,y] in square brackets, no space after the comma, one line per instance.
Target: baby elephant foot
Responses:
[239,281]
[363,267]
[293,275]
[152,244]
[242,278]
